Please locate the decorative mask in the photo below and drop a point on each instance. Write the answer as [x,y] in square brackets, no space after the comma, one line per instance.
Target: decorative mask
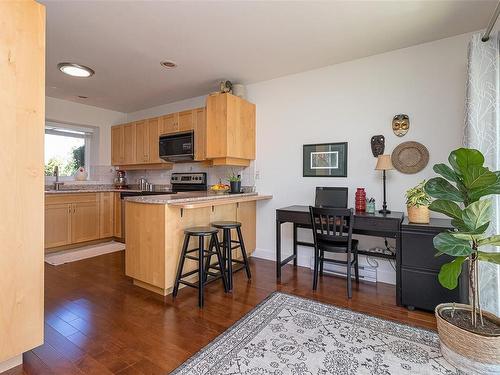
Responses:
[400,124]
[378,145]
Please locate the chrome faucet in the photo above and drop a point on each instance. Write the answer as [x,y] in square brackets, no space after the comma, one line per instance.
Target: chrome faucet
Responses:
[57,184]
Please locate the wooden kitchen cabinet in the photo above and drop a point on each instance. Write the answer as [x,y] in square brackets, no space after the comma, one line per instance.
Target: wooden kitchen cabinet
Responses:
[185,120]
[129,143]
[106,214]
[200,133]
[142,142]
[117,145]
[85,221]
[57,224]
[169,123]
[230,138]
[117,212]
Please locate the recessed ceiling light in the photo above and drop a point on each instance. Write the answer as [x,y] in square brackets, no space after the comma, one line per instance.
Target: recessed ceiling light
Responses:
[75,70]
[169,64]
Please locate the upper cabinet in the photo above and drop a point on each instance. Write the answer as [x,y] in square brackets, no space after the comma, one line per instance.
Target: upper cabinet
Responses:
[230,128]
[224,134]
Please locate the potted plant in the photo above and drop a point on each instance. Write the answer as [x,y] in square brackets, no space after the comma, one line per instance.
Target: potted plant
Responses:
[235,182]
[417,204]
[470,337]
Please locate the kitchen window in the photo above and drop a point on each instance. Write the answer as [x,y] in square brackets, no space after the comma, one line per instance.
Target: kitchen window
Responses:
[67,147]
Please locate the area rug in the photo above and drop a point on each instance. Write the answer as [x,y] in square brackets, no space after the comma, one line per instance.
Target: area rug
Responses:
[291,335]
[80,253]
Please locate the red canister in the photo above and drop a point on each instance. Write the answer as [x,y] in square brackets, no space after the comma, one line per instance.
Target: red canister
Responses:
[360,200]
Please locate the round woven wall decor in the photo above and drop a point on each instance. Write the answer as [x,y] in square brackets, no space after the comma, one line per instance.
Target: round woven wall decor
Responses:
[410,157]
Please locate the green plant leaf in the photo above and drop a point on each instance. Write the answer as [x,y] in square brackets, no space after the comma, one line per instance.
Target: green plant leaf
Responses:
[493,240]
[446,172]
[477,177]
[460,225]
[449,208]
[463,158]
[477,214]
[439,188]
[471,235]
[476,193]
[450,272]
[447,244]
[489,257]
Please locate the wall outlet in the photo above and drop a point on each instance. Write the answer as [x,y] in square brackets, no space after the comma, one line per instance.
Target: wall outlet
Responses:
[257,175]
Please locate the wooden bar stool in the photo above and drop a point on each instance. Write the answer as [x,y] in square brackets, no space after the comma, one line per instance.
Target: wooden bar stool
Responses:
[227,249]
[203,269]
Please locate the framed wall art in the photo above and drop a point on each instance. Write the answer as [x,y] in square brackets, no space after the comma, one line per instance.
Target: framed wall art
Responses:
[325,160]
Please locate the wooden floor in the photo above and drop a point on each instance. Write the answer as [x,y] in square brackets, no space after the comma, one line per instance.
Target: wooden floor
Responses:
[97,322]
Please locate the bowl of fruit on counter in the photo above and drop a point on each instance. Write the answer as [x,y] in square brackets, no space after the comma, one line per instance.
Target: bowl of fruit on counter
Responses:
[220,188]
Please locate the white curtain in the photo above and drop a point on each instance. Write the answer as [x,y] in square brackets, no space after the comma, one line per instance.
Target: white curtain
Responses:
[482,132]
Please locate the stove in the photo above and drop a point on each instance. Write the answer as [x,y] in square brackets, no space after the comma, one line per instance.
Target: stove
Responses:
[189,181]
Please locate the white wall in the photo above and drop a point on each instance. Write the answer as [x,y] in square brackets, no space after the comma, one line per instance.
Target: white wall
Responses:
[351,102]
[65,111]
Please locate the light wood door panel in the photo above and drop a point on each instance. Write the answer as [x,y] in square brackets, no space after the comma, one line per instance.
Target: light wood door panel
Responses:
[169,123]
[129,143]
[186,120]
[142,142]
[154,139]
[57,224]
[85,222]
[200,133]
[117,209]
[106,215]
[117,145]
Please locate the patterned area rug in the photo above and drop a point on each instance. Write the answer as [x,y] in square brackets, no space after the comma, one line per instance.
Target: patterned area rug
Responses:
[291,335]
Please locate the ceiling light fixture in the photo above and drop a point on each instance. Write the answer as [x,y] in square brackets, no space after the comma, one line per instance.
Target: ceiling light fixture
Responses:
[75,70]
[169,64]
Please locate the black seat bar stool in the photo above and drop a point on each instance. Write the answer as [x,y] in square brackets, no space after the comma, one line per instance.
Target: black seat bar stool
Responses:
[203,269]
[227,249]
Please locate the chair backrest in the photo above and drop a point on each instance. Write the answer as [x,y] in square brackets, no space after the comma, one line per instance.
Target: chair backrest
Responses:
[332,224]
[327,196]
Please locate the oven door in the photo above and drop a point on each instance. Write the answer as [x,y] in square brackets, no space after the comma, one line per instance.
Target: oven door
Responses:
[177,146]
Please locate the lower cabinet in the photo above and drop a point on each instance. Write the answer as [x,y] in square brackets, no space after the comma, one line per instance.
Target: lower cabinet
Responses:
[77,218]
[420,287]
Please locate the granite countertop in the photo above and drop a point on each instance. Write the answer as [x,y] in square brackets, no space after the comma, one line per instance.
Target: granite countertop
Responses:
[185,197]
[100,188]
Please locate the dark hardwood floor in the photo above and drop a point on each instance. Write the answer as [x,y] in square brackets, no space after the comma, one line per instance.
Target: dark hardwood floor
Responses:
[97,322]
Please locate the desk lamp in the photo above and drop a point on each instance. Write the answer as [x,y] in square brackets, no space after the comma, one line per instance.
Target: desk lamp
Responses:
[384,164]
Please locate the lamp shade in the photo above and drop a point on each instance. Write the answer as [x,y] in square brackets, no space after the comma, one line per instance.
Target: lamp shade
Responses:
[384,163]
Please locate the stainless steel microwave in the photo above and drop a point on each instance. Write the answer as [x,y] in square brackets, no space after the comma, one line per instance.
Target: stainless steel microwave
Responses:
[177,146]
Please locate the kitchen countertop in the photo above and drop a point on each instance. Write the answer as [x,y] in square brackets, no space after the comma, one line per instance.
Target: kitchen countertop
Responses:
[196,199]
[98,190]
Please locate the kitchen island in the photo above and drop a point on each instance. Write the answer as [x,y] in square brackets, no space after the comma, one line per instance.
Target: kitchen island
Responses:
[155,231]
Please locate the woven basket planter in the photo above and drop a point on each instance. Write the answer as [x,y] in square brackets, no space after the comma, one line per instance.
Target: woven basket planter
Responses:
[418,215]
[468,351]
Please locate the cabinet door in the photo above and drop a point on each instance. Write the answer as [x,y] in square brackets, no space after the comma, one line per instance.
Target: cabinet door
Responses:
[200,134]
[117,209]
[106,215]
[169,123]
[57,224]
[142,142]
[129,143]
[186,121]
[85,221]
[154,139]
[246,215]
[117,145]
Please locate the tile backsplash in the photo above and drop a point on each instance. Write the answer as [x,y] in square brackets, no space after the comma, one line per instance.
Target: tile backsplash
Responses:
[105,174]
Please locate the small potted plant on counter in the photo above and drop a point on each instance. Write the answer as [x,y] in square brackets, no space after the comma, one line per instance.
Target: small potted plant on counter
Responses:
[235,182]
[417,204]
[470,337]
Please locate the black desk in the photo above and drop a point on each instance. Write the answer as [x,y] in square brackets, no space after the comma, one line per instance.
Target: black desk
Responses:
[378,225]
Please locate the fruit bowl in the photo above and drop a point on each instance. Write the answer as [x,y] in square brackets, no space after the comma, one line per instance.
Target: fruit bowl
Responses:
[219,188]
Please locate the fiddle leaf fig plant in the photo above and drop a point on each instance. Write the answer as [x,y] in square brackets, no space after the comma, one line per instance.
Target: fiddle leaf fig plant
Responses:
[463,193]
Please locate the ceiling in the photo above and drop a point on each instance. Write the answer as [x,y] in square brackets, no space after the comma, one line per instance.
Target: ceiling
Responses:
[244,42]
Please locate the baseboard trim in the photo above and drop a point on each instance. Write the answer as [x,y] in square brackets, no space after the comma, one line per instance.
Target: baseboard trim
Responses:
[303,260]
[11,363]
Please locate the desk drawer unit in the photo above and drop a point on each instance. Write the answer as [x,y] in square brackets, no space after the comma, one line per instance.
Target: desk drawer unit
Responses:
[420,286]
